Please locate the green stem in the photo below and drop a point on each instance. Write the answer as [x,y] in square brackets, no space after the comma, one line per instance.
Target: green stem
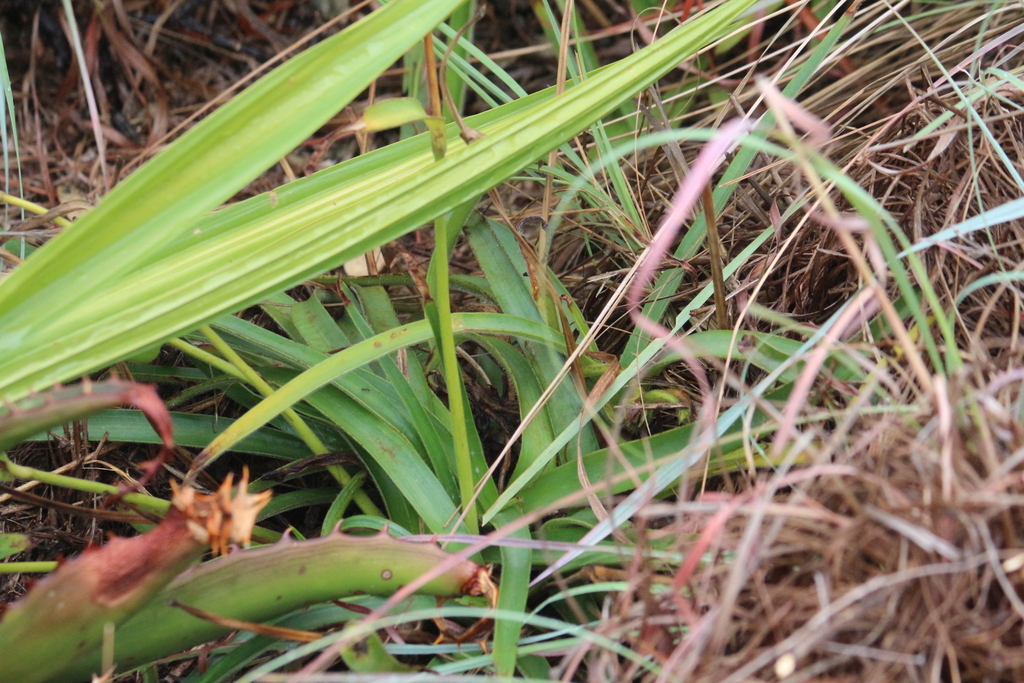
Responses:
[142,501]
[34,208]
[266,583]
[157,506]
[301,428]
[27,567]
[261,385]
[452,375]
[207,357]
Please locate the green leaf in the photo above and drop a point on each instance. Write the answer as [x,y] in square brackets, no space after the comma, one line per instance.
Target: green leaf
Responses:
[317,327]
[337,366]
[528,391]
[503,263]
[632,461]
[215,159]
[337,510]
[29,417]
[512,595]
[766,351]
[292,500]
[400,111]
[12,544]
[369,656]
[392,452]
[428,414]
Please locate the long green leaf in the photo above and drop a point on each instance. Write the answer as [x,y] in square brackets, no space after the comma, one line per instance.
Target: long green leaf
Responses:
[411,387]
[528,390]
[215,159]
[512,596]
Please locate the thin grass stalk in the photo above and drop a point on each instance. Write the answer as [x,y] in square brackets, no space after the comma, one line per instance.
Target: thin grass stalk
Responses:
[444,330]
[7,110]
[6,198]
[717,256]
[462,21]
[261,385]
[142,501]
[90,96]
[27,567]
[440,294]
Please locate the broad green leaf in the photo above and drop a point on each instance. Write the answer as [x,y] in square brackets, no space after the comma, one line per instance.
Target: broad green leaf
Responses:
[503,264]
[412,389]
[292,500]
[393,453]
[527,390]
[215,159]
[400,111]
[317,327]
[370,390]
[278,306]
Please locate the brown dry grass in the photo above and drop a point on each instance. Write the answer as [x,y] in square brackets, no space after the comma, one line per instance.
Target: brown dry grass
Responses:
[895,555]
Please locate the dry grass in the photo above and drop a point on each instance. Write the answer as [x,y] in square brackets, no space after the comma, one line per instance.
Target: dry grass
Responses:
[896,557]
[895,554]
